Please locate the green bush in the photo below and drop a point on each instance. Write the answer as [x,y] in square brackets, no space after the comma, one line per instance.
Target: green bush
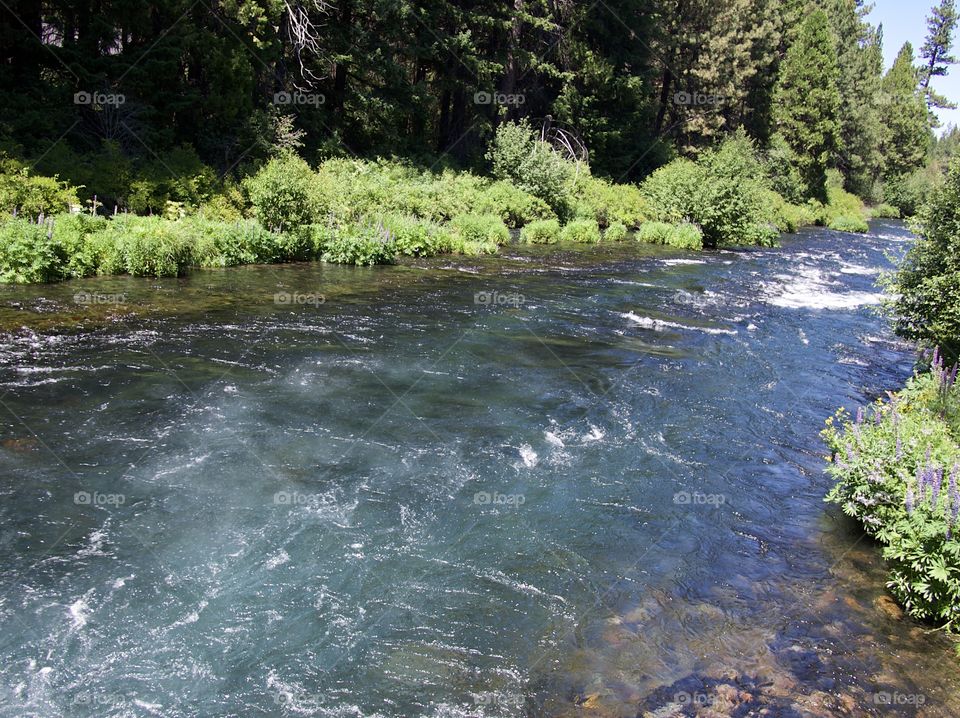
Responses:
[546,231]
[32,195]
[284,193]
[514,206]
[723,193]
[415,237]
[849,224]
[584,231]
[926,289]
[28,253]
[144,247]
[481,228]
[884,211]
[897,469]
[72,232]
[608,203]
[682,236]
[616,232]
[519,157]
[909,193]
[362,245]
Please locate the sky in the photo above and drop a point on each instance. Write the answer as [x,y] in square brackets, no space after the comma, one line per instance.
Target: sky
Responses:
[906,21]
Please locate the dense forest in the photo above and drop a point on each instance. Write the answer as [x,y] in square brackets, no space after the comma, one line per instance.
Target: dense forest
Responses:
[118,96]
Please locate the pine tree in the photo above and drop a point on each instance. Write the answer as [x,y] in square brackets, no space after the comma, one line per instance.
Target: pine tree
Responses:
[906,124]
[807,101]
[936,50]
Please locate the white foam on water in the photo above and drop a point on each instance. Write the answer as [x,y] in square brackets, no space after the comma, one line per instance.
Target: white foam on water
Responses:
[278,559]
[529,456]
[675,262]
[810,288]
[79,613]
[553,439]
[595,434]
[661,325]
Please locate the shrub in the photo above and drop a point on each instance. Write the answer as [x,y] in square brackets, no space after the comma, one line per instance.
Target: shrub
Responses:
[884,211]
[514,206]
[584,231]
[32,195]
[682,236]
[284,193]
[362,245]
[607,203]
[230,244]
[926,289]
[780,167]
[482,228]
[897,469]
[518,156]
[849,224]
[546,231]
[910,192]
[616,232]
[415,237]
[72,233]
[723,193]
[28,253]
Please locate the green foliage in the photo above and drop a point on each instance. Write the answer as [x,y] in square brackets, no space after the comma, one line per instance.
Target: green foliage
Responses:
[143,247]
[842,223]
[605,202]
[682,236]
[518,156]
[515,206]
[284,193]
[807,101]
[910,192]
[884,211]
[584,231]
[28,253]
[481,228]
[616,232]
[906,122]
[724,193]
[545,231]
[362,245]
[32,195]
[72,233]
[415,237]
[897,470]
[789,217]
[926,289]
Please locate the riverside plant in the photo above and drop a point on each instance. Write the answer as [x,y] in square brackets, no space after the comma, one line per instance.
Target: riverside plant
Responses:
[897,468]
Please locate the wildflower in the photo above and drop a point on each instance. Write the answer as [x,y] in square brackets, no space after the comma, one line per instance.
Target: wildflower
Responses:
[936,481]
[910,500]
[859,415]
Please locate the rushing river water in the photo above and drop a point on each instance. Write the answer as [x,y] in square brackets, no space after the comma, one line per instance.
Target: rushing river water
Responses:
[553,483]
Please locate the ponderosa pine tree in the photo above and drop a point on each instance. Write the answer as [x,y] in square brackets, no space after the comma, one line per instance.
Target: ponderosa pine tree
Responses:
[807,101]
[936,50]
[906,124]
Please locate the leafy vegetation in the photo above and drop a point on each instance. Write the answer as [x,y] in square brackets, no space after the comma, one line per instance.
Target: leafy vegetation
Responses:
[544,231]
[584,231]
[897,468]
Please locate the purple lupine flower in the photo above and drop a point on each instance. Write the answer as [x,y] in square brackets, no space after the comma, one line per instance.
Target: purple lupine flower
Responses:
[859,415]
[909,500]
[936,482]
[952,486]
[877,416]
[899,452]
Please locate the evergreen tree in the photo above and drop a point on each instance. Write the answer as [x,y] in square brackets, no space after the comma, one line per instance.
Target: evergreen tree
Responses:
[936,50]
[906,127]
[807,101]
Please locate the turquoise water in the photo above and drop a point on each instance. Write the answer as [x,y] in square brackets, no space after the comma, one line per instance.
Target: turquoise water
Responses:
[555,483]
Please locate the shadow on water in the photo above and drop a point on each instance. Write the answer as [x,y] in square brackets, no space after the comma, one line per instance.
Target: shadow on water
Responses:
[555,483]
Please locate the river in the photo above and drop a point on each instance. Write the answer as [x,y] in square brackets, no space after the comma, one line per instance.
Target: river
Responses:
[552,483]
